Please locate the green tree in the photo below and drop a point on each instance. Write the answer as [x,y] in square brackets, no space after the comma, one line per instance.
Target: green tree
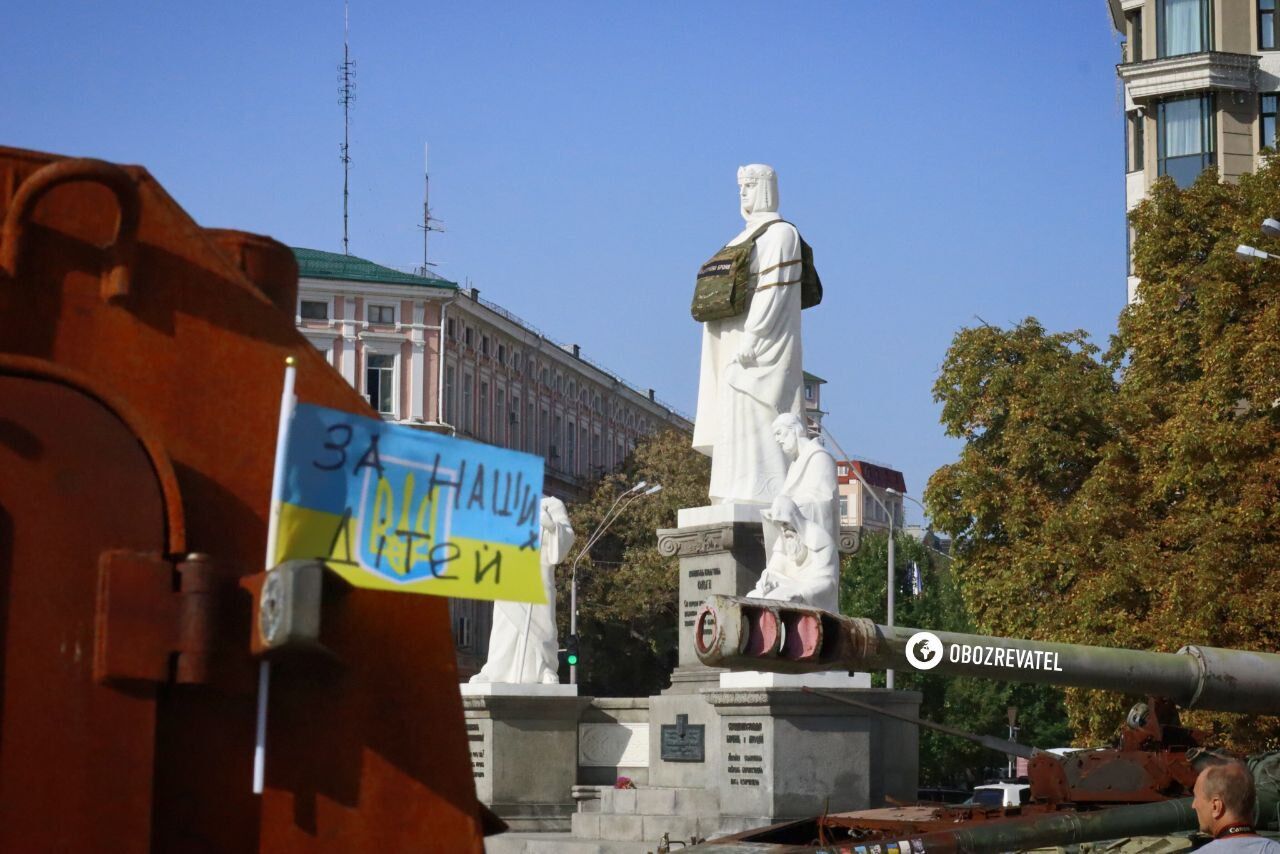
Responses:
[627,592]
[977,705]
[1130,498]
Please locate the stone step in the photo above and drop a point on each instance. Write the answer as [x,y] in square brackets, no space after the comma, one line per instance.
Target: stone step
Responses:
[561,843]
[654,801]
[649,828]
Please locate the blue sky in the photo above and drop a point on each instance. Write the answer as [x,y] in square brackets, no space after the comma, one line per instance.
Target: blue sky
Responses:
[946,161]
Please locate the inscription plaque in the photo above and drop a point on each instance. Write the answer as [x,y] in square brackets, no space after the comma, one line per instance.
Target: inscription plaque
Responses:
[683,742]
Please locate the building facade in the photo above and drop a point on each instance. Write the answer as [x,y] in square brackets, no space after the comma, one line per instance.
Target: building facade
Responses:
[500,381]
[859,484]
[1201,80]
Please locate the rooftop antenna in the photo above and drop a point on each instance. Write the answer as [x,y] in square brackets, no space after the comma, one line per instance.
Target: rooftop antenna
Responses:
[427,219]
[346,96]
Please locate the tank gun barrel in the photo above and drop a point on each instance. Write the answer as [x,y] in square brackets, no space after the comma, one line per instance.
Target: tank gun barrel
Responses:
[764,634]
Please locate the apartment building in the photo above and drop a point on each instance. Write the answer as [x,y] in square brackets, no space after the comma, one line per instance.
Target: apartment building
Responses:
[500,381]
[860,483]
[1201,80]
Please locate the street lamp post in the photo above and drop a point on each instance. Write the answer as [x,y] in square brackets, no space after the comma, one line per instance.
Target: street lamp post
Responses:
[889,604]
[625,499]
[1271,228]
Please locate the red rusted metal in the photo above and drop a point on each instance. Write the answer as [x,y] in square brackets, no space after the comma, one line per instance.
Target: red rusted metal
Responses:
[141,361]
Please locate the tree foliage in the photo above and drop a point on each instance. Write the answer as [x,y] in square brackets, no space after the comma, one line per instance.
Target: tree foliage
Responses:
[977,705]
[627,591]
[1129,498]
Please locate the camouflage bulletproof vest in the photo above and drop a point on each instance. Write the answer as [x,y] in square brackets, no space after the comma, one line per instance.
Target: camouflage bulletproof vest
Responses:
[725,282]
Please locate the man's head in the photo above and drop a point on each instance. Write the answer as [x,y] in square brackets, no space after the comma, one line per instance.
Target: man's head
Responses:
[757,189]
[788,430]
[1223,795]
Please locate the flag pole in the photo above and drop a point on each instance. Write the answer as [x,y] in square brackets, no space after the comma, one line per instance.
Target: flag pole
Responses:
[287,404]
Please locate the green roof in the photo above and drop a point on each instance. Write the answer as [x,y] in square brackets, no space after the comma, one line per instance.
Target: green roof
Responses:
[813,377]
[315,264]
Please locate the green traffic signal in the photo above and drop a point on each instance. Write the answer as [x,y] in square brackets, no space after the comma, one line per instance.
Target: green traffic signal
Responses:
[571,650]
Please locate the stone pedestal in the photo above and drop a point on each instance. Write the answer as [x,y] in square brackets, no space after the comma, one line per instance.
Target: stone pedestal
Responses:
[524,753]
[724,557]
[784,754]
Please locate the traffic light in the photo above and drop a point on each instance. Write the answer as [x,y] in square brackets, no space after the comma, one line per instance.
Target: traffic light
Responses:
[571,650]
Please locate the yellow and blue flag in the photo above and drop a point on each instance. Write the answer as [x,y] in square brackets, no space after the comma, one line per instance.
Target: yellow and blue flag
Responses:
[393,508]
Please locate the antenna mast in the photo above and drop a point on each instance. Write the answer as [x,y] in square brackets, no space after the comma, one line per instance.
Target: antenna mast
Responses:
[427,219]
[346,96]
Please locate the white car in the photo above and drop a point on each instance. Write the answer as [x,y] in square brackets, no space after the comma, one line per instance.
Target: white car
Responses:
[1000,795]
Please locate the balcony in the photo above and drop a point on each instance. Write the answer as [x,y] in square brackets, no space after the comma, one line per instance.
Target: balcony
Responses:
[1192,72]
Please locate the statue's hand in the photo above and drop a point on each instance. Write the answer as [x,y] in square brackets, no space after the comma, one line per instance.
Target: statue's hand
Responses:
[747,354]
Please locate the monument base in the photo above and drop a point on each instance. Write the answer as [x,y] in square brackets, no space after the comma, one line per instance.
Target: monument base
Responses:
[524,753]
[719,514]
[512,689]
[723,761]
[828,679]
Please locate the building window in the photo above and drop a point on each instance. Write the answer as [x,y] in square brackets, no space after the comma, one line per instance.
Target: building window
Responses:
[467,383]
[314,309]
[384,315]
[502,354]
[379,381]
[528,430]
[842,470]
[808,391]
[484,410]
[1266,24]
[544,434]
[450,396]
[450,329]
[514,421]
[844,507]
[557,437]
[1134,127]
[463,634]
[466,335]
[484,344]
[570,446]
[1267,123]
[1135,35]
[1183,26]
[596,462]
[500,417]
[1185,131]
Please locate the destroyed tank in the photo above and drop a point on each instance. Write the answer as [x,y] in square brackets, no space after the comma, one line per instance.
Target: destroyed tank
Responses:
[142,361]
[1141,787]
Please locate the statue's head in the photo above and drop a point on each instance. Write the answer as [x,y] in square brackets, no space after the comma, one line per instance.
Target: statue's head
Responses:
[554,513]
[788,430]
[757,189]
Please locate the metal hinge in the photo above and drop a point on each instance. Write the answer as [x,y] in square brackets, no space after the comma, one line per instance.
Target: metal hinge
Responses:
[163,621]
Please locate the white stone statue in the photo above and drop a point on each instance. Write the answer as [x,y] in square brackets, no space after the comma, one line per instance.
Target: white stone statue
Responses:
[751,363]
[523,646]
[804,563]
[811,475]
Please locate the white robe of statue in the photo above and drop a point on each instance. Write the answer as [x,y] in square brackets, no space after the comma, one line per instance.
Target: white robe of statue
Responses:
[520,626]
[751,364]
[804,563]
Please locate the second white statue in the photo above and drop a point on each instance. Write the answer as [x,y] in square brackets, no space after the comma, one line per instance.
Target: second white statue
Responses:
[523,644]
